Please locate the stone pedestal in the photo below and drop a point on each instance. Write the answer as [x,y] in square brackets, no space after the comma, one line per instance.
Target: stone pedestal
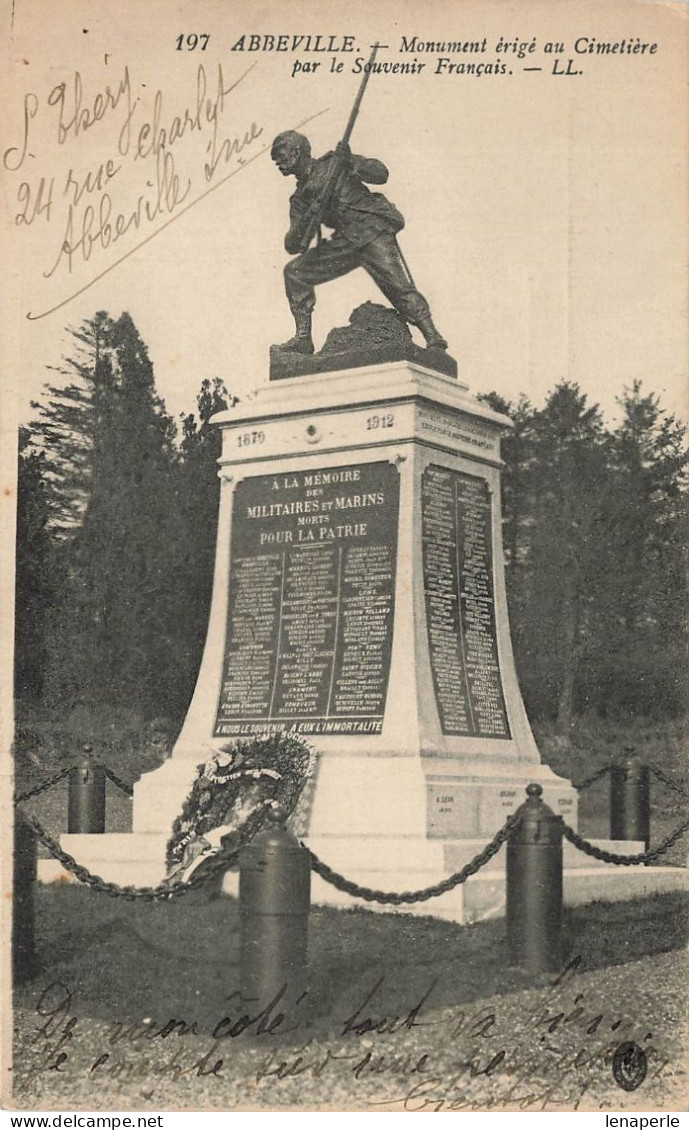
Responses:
[359,601]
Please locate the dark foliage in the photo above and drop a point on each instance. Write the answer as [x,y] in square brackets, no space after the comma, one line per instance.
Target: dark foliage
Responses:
[595,530]
[115,534]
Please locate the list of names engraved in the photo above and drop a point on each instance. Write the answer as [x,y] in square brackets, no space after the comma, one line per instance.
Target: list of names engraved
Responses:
[311,602]
[460,612]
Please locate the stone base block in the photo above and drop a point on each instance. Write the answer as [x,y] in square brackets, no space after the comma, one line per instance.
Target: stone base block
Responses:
[461,807]
[357,796]
[159,796]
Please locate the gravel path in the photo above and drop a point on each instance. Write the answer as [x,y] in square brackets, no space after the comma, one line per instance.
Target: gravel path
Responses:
[402,1030]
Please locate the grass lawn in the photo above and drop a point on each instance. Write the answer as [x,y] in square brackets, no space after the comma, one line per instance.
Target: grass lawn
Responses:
[113,973]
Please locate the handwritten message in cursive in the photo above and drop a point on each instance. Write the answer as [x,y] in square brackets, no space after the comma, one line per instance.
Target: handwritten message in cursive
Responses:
[155,160]
[556,1051]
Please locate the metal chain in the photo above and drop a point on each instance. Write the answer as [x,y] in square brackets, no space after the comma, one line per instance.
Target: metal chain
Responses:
[593,778]
[162,893]
[128,789]
[44,787]
[224,859]
[395,899]
[683,792]
[623,860]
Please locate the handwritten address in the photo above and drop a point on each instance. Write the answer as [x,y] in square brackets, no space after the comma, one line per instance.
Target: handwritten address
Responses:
[138,185]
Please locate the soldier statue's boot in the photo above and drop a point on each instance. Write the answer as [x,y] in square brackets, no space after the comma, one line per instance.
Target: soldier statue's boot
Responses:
[434,340]
[302,342]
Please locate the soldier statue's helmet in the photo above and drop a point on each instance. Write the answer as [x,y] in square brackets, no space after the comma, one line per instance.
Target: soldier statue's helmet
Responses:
[293,139]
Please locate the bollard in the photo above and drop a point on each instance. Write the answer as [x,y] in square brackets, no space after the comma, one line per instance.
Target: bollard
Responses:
[86,807]
[534,886]
[25,870]
[274,898]
[630,796]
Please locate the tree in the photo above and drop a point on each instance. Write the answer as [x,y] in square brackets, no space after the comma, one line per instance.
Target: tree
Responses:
[69,422]
[36,582]
[198,500]
[643,597]
[110,461]
[595,525]
[569,525]
[555,484]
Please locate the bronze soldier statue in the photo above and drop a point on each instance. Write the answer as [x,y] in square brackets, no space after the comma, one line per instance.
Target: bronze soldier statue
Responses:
[331,190]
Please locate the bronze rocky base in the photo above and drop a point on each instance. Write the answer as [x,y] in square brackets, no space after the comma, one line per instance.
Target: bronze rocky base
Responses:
[375,334]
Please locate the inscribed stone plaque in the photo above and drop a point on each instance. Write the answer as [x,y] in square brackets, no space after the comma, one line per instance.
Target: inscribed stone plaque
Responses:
[460,612]
[311,602]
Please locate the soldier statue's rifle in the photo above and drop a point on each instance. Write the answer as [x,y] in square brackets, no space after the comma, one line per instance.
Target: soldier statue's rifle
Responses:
[314,216]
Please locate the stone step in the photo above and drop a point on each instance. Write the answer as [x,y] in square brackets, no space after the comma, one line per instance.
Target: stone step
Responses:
[130,874]
[111,849]
[126,858]
[388,864]
[444,856]
[115,846]
[483,896]
[591,884]
[459,852]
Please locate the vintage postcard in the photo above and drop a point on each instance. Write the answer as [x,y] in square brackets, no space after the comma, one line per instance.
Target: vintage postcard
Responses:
[344,428]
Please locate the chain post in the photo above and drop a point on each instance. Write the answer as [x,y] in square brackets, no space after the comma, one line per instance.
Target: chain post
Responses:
[630,796]
[534,886]
[274,903]
[86,806]
[25,873]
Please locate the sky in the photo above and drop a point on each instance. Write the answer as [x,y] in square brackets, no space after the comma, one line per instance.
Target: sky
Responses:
[546,213]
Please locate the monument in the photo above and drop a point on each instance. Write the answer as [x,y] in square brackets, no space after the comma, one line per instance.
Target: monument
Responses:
[359,593]
[360,602]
